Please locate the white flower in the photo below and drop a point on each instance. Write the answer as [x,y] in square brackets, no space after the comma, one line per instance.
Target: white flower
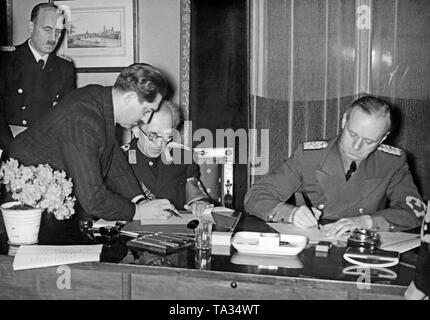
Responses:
[39,187]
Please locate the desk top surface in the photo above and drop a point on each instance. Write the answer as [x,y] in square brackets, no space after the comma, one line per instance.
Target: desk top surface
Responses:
[308,264]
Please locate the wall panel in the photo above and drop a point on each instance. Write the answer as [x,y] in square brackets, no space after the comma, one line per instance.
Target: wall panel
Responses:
[313,71]
[401,72]
[303,64]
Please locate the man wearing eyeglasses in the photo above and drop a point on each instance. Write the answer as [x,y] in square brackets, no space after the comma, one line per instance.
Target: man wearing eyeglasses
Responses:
[150,157]
[79,138]
[347,180]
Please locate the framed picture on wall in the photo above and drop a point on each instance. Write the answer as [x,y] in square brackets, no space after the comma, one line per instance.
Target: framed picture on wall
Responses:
[101,35]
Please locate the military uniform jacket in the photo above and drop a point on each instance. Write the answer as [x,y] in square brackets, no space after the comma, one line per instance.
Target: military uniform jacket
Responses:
[317,169]
[26,91]
[171,178]
[78,136]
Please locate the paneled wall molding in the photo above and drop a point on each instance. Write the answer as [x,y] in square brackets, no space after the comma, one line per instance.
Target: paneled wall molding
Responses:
[185,56]
[258,52]
[184,96]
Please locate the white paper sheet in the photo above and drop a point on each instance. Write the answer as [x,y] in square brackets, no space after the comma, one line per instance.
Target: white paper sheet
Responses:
[392,241]
[314,234]
[35,256]
[399,241]
[186,216]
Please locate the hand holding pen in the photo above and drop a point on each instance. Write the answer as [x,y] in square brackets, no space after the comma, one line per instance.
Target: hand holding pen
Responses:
[173,212]
[155,209]
[307,216]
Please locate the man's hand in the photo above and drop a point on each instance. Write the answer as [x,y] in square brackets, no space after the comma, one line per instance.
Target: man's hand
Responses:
[345,225]
[198,207]
[303,217]
[153,209]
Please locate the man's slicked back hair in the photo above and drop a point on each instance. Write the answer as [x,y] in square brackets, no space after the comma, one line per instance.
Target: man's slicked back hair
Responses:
[143,79]
[38,7]
[372,105]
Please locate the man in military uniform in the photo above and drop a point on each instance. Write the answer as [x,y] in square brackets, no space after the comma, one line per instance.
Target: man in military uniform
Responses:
[161,175]
[348,179]
[32,78]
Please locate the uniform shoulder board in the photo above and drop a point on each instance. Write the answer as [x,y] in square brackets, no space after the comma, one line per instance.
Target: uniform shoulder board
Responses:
[125,147]
[315,145]
[7,48]
[390,149]
[64,57]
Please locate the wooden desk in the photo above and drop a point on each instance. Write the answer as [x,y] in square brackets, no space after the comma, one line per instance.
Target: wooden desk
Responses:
[306,276]
[120,281]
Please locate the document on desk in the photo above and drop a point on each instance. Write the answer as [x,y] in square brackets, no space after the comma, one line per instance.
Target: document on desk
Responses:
[399,241]
[314,235]
[34,256]
[391,241]
[185,217]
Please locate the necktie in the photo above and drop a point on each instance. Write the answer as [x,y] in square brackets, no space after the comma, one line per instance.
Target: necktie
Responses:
[351,170]
[40,63]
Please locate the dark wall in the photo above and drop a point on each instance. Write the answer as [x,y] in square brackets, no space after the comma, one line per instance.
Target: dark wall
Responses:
[219,73]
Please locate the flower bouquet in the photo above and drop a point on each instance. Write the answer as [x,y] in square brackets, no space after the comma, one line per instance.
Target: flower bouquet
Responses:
[35,189]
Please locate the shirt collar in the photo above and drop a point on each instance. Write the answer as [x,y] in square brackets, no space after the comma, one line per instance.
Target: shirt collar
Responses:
[36,54]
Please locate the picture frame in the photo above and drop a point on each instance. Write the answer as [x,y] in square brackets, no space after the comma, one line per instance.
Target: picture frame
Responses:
[101,35]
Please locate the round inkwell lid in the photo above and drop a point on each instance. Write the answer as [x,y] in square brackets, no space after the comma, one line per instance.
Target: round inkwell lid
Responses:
[364,238]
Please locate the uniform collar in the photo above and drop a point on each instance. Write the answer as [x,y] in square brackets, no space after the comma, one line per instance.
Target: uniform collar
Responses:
[331,178]
[36,54]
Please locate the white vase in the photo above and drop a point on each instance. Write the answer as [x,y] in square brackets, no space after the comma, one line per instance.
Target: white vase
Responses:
[22,225]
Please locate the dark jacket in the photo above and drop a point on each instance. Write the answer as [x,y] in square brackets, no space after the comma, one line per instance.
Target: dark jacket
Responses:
[168,180]
[78,136]
[26,91]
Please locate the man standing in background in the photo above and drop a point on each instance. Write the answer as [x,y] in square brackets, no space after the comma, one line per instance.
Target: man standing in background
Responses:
[32,78]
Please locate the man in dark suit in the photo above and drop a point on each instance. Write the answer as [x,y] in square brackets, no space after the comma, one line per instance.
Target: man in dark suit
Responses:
[78,136]
[164,175]
[348,179]
[32,78]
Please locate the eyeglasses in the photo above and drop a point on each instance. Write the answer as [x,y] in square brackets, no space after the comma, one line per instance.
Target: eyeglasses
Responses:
[152,136]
